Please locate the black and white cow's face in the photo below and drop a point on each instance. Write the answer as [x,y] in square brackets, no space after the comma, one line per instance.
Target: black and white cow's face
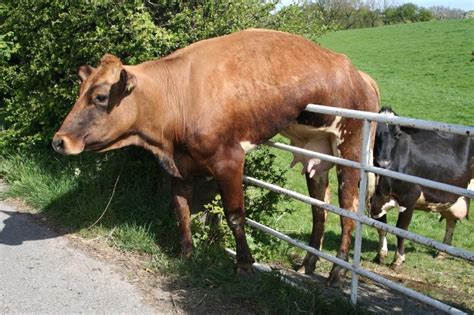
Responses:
[386,137]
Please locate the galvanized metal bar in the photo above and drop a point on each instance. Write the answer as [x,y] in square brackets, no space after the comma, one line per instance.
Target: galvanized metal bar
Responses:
[364,161]
[421,181]
[359,216]
[322,156]
[377,170]
[402,121]
[373,276]
[457,252]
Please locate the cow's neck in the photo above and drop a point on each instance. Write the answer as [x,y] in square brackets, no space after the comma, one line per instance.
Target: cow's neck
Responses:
[160,126]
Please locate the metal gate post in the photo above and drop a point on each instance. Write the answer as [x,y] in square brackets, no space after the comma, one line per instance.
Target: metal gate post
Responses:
[364,161]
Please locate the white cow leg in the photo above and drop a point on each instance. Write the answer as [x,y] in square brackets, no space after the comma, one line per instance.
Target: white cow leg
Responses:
[397,260]
[383,248]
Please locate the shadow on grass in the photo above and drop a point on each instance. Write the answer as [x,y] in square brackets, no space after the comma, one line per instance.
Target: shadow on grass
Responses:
[139,195]
[332,242]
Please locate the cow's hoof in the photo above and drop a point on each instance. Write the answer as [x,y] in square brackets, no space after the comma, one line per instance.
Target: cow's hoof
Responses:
[186,254]
[397,261]
[395,266]
[306,269]
[440,255]
[309,264]
[244,269]
[335,277]
[379,260]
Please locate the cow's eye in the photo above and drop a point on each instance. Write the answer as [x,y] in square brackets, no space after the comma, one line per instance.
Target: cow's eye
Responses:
[101,98]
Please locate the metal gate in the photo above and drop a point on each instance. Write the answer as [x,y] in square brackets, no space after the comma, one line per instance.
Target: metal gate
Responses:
[365,167]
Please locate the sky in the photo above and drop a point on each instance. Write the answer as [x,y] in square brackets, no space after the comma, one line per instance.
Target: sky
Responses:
[465,5]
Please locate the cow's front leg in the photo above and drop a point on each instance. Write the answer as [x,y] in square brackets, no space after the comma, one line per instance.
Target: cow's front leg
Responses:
[383,247]
[228,172]
[403,222]
[317,187]
[348,199]
[182,191]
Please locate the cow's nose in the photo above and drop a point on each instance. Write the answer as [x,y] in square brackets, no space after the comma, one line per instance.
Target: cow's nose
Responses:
[58,144]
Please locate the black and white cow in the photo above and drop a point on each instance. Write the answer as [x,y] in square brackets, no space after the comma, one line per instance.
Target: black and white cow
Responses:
[432,155]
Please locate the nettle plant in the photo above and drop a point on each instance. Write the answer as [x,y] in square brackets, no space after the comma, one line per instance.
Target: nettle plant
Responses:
[209,225]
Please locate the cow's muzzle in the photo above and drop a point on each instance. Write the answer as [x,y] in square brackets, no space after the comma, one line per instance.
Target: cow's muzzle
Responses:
[66,145]
[382,163]
[58,144]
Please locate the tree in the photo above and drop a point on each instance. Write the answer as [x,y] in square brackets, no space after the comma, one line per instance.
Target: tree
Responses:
[335,11]
[407,12]
[391,16]
[424,15]
[441,13]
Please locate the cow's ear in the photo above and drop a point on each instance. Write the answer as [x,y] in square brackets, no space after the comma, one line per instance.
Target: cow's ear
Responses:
[122,88]
[84,72]
[128,81]
[398,132]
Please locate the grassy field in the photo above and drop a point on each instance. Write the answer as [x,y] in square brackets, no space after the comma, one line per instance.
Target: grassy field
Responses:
[424,71]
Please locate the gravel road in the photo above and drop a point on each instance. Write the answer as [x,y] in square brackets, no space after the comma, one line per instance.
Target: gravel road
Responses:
[40,272]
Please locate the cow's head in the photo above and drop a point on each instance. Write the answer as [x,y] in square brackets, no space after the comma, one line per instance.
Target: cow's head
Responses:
[386,136]
[104,112]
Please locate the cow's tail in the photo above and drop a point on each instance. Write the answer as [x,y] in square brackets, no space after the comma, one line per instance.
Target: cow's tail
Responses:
[373,87]
[371,82]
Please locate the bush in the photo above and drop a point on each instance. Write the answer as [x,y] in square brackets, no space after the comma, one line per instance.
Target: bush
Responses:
[53,38]
[44,42]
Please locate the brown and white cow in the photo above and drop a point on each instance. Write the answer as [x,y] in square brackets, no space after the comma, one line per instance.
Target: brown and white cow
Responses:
[201,108]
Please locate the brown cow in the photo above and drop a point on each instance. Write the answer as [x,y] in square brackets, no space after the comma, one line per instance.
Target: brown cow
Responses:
[201,108]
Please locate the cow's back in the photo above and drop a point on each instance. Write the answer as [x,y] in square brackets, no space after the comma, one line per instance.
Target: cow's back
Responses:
[436,156]
[242,81]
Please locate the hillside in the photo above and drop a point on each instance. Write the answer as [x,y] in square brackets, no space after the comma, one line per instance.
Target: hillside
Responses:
[424,70]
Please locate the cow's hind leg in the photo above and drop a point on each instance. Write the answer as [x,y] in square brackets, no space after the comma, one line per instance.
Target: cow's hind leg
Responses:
[448,236]
[181,198]
[317,188]
[348,199]
[458,211]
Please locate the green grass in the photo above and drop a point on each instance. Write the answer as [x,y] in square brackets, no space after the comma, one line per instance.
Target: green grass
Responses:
[424,71]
